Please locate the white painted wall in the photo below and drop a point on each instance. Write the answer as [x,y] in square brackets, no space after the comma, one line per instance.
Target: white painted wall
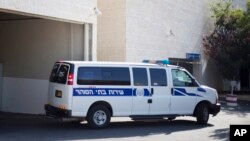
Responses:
[24,95]
[76,11]
[150,24]
[159,29]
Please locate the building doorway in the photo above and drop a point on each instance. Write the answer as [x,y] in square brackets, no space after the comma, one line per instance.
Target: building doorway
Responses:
[1,85]
[245,79]
[183,63]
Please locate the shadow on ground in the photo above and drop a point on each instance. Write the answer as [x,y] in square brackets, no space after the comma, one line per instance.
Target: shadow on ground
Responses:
[242,109]
[37,127]
[221,134]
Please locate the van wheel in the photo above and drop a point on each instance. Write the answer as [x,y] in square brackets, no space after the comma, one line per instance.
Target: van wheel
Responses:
[202,115]
[98,117]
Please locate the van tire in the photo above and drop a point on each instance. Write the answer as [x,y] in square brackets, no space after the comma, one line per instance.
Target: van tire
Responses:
[202,113]
[98,117]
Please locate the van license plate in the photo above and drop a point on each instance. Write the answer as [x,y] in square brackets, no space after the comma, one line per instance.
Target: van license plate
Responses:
[58,94]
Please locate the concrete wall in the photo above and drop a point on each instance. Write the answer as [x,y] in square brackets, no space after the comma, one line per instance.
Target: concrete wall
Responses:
[169,29]
[155,29]
[162,29]
[111,38]
[24,95]
[30,47]
[76,11]
[208,73]
[28,51]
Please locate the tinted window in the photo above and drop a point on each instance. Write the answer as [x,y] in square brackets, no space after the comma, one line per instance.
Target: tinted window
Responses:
[62,74]
[54,73]
[59,73]
[140,77]
[182,78]
[158,77]
[103,76]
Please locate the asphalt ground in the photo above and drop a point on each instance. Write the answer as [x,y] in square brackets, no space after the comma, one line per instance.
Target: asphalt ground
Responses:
[25,127]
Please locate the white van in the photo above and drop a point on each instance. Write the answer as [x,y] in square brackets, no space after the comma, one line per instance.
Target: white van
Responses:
[97,91]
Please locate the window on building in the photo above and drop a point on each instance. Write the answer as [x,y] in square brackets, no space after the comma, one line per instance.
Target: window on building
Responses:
[140,77]
[158,77]
[103,76]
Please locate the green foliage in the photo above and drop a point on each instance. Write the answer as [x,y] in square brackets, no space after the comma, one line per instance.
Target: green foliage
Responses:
[229,44]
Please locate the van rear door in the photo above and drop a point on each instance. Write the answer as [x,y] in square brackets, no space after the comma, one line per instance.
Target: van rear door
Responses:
[60,86]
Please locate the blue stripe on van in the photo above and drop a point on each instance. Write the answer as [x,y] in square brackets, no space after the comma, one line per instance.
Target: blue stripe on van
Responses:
[102,92]
[110,92]
[183,92]
[201,90]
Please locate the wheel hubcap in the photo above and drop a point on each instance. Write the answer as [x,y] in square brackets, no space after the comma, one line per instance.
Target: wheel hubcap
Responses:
[100,117]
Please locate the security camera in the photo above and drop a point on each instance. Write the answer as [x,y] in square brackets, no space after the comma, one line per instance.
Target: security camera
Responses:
[97,11]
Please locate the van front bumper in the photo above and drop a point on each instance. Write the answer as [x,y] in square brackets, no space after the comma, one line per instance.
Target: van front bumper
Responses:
[52,111]
[215,109]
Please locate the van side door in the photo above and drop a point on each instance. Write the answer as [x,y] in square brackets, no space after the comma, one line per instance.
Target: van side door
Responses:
[184,92]
[141,93]
[160,91]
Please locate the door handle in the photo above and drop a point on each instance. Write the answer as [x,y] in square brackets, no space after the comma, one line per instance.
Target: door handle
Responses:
[152,91]
[172,91]
[150,101]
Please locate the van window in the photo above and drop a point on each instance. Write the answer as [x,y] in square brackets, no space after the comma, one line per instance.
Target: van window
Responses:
[103,76]
[158,77]
[54,73]
[140,77]
[59,73]
[182,78]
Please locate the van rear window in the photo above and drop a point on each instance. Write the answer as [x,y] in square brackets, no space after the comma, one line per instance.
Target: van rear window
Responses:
[103,76]
[59,73]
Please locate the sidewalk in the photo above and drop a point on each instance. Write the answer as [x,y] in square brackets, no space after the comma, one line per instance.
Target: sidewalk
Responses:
[240,97]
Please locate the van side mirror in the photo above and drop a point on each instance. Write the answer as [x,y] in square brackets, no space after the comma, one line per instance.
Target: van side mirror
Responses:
[194,83]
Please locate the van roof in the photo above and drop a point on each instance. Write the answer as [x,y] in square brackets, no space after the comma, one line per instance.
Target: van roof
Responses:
[115,63]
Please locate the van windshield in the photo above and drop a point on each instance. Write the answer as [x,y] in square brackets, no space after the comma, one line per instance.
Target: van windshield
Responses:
[59,73]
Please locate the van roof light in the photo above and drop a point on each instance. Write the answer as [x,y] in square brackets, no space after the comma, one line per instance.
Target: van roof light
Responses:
[160,62]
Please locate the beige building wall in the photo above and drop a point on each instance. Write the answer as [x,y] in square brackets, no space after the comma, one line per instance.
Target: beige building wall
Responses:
[111,37]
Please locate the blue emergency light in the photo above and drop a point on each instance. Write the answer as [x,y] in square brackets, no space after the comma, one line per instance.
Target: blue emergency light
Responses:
[161,62]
